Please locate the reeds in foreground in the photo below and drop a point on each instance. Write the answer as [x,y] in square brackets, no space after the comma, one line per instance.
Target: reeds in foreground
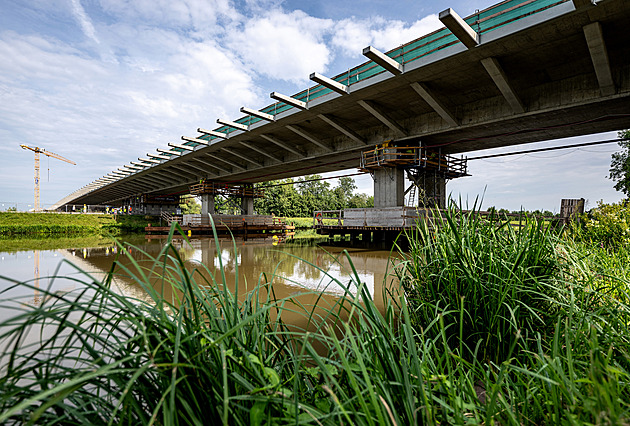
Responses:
[552,349]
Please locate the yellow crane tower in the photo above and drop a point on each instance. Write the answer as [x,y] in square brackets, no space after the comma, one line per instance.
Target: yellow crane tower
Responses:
[38,151]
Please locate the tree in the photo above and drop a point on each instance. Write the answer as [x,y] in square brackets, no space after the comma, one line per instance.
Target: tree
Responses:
[620,165]
[280,198]
[343,193]
[190,206]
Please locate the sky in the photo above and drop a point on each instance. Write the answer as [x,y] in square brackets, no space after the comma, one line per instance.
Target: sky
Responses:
[103,82]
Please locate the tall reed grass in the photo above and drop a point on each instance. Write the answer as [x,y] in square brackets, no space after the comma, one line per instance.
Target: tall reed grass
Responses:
[219,356]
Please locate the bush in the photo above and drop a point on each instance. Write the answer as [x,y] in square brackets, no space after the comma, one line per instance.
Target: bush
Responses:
[607,225]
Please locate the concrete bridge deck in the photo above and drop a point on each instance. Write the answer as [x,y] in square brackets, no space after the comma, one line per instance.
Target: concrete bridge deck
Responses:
[518,72]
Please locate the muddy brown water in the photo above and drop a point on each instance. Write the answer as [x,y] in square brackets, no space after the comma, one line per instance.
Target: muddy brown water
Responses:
[304,273]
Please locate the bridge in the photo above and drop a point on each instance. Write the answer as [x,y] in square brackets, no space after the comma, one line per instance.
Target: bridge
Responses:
[518,72]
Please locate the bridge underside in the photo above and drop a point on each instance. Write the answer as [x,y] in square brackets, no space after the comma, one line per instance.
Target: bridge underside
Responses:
[564,71]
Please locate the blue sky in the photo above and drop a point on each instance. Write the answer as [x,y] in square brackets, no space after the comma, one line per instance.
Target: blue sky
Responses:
[102,82]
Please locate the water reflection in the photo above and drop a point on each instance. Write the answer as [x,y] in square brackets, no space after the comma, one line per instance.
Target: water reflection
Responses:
[296,271]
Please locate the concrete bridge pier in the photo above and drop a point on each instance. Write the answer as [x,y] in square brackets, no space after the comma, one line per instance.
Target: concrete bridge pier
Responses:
[247,203]
[389,187]
[207,207]
[432,191]
[247,206]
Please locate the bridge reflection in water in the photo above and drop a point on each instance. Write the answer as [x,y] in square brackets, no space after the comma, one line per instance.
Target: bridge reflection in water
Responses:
[304,273]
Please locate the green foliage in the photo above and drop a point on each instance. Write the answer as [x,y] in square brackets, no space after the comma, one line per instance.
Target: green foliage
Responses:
[281,199]
[491,284]
[289,198]
[218,356]
[607,225]
[620,165]
[55,224]
[190,206]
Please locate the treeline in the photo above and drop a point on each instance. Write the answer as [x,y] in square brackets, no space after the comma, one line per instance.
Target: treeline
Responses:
[301,197]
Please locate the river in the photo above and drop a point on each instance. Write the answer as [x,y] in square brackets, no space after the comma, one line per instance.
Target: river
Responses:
[300,270]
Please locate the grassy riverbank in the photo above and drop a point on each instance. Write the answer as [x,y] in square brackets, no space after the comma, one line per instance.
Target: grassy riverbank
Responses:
[42,224]
[496,326]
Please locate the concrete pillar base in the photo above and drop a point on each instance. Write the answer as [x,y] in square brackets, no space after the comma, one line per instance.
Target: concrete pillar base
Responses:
[389,187]
[207,207]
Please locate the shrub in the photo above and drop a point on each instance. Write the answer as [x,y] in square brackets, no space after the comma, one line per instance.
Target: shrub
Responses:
[607,225]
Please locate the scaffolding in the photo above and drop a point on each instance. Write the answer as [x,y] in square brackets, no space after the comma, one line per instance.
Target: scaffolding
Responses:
[226,190]
[427,169]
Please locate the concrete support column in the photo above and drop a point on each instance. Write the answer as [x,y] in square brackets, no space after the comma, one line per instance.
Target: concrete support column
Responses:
[389,187]
[433,192]
[247,206]
[207,206]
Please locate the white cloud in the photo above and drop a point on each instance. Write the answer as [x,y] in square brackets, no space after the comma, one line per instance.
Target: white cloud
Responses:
[286,46]
[201,15]
[86,24]
[351,35]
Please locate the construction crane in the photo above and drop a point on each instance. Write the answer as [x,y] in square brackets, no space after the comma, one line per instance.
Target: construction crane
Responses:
[38,151]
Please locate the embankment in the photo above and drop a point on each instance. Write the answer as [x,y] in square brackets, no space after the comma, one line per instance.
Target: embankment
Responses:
[58,224]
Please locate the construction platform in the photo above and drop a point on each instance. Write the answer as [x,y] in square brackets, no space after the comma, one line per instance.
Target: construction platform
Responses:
[371,225]
[243,226]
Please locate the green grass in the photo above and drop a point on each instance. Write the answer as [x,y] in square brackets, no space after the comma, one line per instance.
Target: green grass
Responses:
[69,224]
[215,356]
[54,242]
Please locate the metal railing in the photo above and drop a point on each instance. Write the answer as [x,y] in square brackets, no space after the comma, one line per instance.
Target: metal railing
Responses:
[412,157]
[227,190]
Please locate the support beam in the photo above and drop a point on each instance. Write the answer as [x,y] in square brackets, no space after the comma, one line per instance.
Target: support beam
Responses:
[186,173]
[173,153]
[213,165]
[144,166]
[459,28]
[148,160]
[309,137]
[212,133]
[201,169]
[161,157]
[283,145]
[493,67]
[437,105]
[599,56]
[342,128]
[196,140]
[148,183]
[133,168]
[155,180]
[121,170]
[163,180]
[167,177]
[180,146]
[383,117]
[252,146]
[289,100]
[231,163]
[259,114]
[333,85]
[383,60]
[232,124]
[244,157]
